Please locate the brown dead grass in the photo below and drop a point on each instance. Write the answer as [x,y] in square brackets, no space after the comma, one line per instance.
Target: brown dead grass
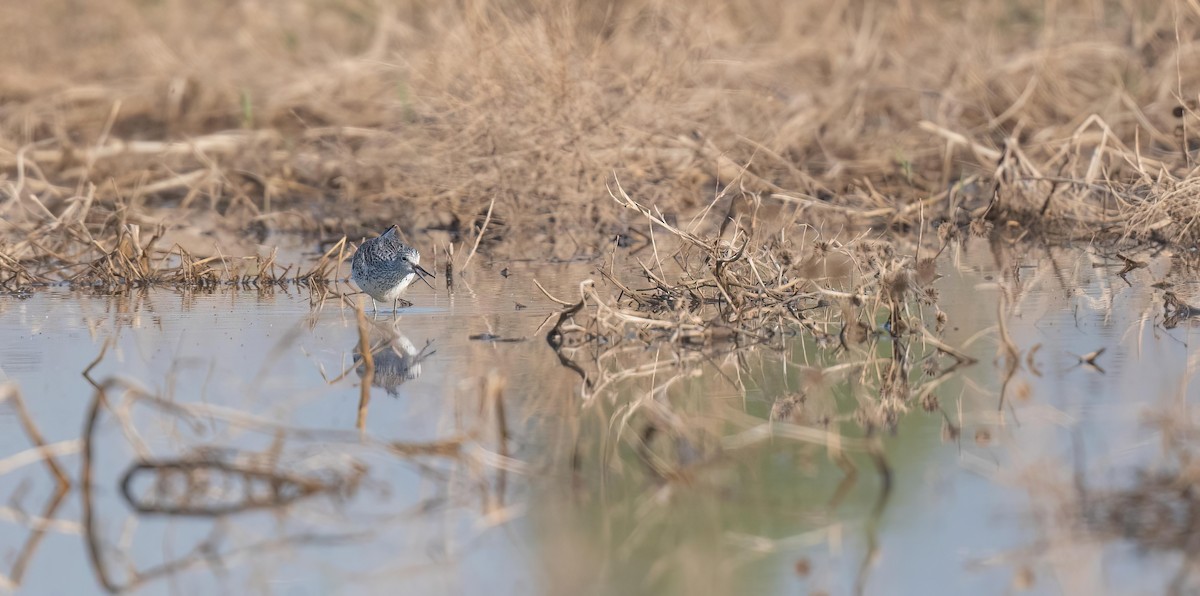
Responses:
[700,300]
[338,116]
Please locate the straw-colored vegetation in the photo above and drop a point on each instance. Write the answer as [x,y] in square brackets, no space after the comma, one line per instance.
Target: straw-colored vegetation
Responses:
[752,178]
[703,305]
[228,124]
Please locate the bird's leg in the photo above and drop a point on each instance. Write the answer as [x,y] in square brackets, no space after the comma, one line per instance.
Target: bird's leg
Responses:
[395,305]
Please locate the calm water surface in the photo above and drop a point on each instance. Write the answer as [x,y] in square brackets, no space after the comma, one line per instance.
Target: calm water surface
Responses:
[545,489]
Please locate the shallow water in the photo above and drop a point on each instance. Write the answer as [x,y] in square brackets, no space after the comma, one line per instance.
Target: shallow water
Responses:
[981,495]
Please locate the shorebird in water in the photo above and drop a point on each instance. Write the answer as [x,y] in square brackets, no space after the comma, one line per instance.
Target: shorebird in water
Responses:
[384,267]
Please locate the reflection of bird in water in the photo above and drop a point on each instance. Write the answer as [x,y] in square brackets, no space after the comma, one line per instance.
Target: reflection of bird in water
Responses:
[396,360]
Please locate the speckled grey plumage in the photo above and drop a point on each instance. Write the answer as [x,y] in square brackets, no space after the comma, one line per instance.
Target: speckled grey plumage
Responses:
[384,267]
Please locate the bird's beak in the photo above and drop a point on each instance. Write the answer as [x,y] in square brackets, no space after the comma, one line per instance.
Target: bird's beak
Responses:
[422,273]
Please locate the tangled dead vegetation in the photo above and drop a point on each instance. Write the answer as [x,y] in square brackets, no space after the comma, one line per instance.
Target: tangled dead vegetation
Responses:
[334,118]
[706,299]
[66,252]
[838,337]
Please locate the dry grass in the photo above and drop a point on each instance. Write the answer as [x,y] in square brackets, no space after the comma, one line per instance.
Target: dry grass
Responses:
[335,117]
[852,315]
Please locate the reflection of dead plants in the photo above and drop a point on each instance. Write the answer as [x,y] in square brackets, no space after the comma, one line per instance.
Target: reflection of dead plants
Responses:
[217,480]
[197,484]
[854,320]
[368,364]
[47,453]
[1176,311]
[11,395]
[206,486]
[859,297]
[1159,512]
[1155,508]
[1159,509]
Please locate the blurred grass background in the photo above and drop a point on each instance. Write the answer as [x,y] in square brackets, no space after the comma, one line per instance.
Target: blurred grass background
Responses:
[367,112]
